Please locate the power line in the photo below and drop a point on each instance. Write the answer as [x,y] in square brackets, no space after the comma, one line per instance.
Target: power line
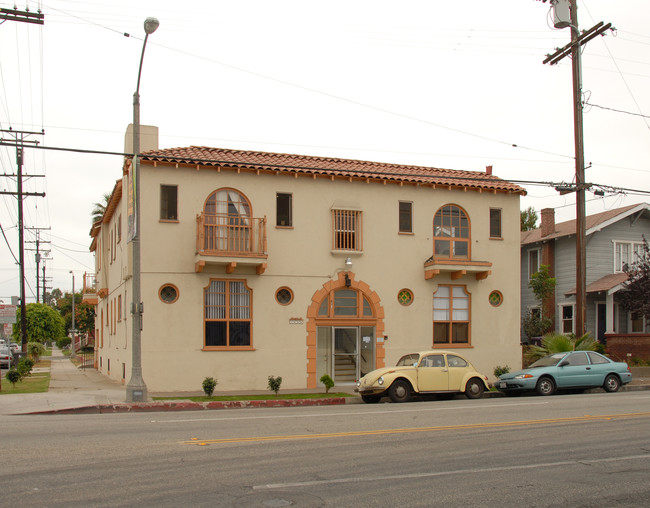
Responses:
[615,110]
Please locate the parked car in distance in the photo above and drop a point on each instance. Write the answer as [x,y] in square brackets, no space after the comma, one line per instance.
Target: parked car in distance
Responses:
[575,369]
[423,373]
[6,357]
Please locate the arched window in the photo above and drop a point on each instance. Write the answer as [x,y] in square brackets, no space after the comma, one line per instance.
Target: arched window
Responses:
[227,225]
[346,303]
[451,233]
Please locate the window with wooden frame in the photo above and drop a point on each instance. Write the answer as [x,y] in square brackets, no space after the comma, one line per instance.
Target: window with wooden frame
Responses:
[119,308]
[451,231]
[346,303]
[495,223]
[451,316]
[567,318]
[119,228]
[347,230]
[228,315]
[405,217]
[169,202]
[283,210]
[533,262]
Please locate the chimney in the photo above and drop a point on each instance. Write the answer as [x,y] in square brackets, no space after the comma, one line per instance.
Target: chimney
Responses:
[488,170]
[548,221]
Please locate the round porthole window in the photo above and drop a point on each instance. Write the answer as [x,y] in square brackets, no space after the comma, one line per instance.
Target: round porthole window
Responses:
[405,297]
[496,298]
[284,296]
[168,293]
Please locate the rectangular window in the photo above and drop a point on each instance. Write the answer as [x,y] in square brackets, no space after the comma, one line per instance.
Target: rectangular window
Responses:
[119,228]
[626,254]
[168,202]
[495,223]
[119,308]
[347,230]
[567,319]
[533,262]
[283,210]
[637,323]
[451,308]
[405,217]
[227,314]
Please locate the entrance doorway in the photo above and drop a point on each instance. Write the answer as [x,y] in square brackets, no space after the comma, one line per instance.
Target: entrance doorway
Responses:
[345,353]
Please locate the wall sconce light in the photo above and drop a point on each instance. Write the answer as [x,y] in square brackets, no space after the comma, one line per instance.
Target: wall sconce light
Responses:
[348,262]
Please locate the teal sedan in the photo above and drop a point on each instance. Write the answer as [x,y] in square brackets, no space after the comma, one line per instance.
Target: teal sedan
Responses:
[575,369]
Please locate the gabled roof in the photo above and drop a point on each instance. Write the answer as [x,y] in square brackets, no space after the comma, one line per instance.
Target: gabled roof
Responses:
[594,223]
[267,162]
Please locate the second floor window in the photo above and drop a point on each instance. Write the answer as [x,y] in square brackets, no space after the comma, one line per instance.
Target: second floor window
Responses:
[283,210]
[495,223]
[451,233]
[347,230]
[168,202]
[405,217]
[533,262]
[626,254]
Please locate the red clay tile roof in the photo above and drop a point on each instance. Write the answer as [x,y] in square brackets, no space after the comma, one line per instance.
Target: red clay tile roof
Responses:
[330,167]
[569,227]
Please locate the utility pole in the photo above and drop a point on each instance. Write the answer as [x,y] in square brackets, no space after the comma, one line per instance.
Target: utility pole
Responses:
[573,49]
[38,259]
[19,139]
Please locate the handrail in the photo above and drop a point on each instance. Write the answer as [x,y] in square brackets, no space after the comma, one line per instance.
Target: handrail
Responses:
[228,235]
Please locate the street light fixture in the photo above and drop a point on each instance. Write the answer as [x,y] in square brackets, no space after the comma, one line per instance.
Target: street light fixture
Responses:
[136,389]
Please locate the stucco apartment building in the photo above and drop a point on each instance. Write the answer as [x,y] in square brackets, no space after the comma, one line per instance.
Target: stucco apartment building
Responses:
[257,264]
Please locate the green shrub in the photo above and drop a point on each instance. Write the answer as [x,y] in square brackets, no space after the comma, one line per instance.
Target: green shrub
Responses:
[13,376]
[209,384]
[327,381]
[499,370]
[63,342]
[274,383]
[35,350]
[24,367]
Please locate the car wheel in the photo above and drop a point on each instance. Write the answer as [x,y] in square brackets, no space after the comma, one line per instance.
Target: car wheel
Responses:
[371,399]
[399,391]
[474,389]
[545,386]
[612,383]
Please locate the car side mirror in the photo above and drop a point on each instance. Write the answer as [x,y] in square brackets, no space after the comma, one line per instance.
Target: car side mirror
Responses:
[564,363]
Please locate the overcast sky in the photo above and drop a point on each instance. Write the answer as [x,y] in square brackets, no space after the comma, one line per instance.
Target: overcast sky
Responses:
[452,84]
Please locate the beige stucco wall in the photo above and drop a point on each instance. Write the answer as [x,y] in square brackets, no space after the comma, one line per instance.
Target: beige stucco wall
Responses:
[302,259]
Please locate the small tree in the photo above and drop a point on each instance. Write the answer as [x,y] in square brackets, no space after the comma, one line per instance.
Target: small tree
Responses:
[635,295]
[274,383]
[43,323]
[24,367]
[35,350]
[13,376]
[528,219]
[543,286]
[327,381]
[209,384]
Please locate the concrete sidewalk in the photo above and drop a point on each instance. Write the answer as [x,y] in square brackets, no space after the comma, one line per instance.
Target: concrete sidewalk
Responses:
[75,390]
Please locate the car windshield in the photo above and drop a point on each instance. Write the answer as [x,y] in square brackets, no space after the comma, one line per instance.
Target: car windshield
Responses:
[408,360]
[548,361]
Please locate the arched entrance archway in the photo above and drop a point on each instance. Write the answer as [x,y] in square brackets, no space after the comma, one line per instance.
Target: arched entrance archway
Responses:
[343,322]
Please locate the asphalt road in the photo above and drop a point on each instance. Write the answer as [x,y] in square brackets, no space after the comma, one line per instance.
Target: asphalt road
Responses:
[566,450]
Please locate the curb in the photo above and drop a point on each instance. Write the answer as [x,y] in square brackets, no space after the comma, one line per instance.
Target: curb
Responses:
[182,405]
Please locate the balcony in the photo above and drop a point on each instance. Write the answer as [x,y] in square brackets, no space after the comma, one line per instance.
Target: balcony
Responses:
[230,242]
[89,292]
[456,267]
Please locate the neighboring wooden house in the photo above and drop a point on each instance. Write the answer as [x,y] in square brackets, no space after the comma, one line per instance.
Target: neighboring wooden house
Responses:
[257,264]
[613,239]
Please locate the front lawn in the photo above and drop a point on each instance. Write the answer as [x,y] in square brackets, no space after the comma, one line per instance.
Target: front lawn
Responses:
[36,382]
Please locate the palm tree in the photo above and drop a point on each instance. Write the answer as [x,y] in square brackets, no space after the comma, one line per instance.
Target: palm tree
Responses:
[100,208]
[560,343]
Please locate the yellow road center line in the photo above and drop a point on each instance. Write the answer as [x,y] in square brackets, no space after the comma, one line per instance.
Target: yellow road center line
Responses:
[203,442]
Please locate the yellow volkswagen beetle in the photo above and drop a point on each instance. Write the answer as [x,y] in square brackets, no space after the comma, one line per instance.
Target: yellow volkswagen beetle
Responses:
[423,373]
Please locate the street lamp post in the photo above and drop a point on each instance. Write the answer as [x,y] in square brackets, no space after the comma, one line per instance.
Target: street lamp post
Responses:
[72,331]
[136,389]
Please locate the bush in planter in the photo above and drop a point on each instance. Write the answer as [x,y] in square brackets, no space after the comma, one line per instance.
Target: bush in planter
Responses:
[35,350]
[327,381]
[209,384]
[499,370]
[274,383]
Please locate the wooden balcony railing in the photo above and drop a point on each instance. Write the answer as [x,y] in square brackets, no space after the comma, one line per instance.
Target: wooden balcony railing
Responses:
[227,235]
[90,283]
